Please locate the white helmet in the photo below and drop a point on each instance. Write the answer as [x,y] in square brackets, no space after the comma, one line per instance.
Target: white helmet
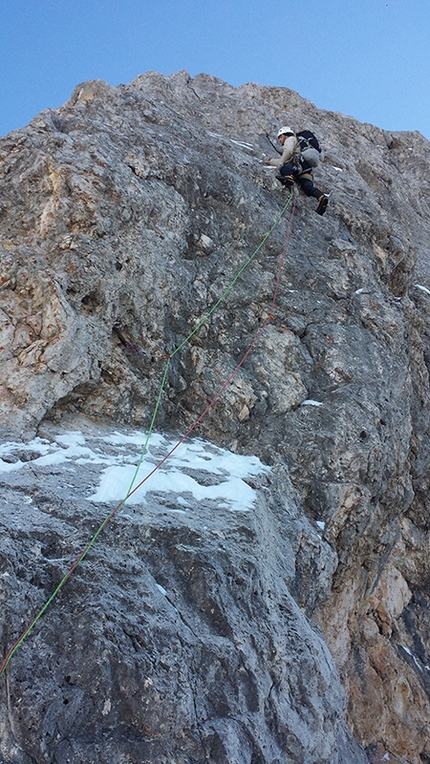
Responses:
[286,131]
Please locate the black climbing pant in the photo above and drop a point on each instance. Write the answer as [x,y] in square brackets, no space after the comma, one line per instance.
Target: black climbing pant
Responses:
[302,176]
[308,188]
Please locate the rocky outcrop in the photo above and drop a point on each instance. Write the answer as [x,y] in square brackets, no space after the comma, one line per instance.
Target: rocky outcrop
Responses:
[126,214]
[178,639]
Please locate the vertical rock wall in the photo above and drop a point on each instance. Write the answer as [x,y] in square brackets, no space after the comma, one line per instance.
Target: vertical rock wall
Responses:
[125,214]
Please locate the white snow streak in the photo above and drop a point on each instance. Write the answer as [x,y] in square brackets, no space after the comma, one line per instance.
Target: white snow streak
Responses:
[244,145]
[423,288]
[406,649]
[120,454]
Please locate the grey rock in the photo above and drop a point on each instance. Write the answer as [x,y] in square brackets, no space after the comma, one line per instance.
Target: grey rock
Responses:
[126,215]
[177,637]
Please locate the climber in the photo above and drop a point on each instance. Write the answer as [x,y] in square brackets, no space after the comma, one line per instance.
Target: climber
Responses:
[295,168]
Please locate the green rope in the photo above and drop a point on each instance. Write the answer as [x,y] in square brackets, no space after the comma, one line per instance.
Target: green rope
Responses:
[194,331]
[58,587]
[232,283]
[144,449]
[202,322]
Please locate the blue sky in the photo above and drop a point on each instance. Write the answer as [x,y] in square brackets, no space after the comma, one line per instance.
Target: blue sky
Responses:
[366,58]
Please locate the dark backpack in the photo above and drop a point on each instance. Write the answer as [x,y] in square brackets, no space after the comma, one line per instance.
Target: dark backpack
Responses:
[308,140]
[310,149]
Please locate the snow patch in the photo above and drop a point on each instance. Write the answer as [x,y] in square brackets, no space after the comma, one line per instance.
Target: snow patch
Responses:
[310,402]
[184,474]
[8,449]
[230,491]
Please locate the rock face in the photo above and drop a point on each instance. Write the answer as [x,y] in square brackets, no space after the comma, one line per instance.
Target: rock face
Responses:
[125,218]
[179,639]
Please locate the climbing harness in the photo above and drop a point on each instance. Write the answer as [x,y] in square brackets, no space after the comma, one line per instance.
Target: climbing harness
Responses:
[133,488]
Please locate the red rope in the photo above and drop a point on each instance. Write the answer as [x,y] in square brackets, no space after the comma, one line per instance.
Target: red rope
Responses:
[109,517]
[234,372]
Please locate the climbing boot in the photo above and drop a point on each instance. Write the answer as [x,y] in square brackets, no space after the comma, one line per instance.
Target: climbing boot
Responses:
[286,180]
[322,204]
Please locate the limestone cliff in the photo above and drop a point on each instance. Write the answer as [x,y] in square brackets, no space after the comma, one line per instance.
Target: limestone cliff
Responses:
[299,631]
